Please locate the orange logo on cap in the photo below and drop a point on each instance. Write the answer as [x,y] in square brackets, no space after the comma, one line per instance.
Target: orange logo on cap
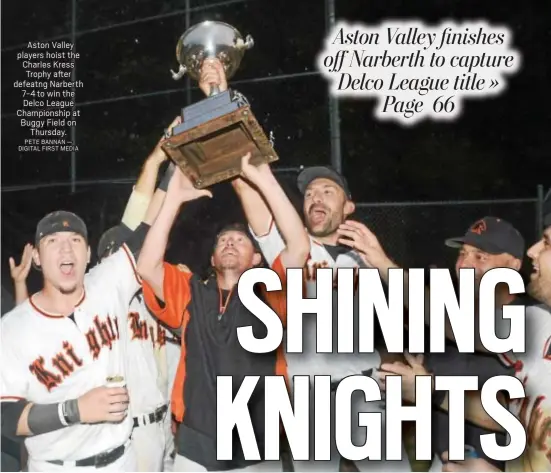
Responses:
[479,227]
[65,223]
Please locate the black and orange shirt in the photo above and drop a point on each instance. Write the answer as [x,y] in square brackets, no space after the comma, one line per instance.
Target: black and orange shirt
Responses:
[208,318]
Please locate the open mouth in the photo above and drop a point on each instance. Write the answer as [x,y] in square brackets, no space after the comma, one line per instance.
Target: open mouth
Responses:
[317,215]
[229,252]
[67,268]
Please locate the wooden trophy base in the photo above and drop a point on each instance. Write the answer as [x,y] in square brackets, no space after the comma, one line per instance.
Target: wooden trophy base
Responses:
[213,137]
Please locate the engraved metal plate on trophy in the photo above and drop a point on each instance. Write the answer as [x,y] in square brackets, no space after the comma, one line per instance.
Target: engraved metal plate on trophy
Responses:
[217,131]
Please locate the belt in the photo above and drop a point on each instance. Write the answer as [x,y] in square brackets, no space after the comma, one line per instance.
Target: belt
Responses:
[152,417]
[100,460]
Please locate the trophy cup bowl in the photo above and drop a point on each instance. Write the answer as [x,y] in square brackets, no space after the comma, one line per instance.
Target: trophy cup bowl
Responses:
[211,39]
[217,131]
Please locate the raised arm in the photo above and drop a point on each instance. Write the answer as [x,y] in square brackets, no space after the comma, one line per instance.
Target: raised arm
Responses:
[256,210]
[266,197]
[155,198]
[143,191]
[287,219]
[20,272]
[151,258]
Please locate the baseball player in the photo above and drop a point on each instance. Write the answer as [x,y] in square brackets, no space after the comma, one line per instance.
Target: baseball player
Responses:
[153,449]
[208,313]
[147,367]
[62,346]
[533,368]
[147,379]
[327,203]
[63,375]
[134,213]
[19,273]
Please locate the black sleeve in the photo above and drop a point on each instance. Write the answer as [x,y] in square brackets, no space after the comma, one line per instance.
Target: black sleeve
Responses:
[9,462]
[163,185]
[135,242]
[125,231]
[11,412]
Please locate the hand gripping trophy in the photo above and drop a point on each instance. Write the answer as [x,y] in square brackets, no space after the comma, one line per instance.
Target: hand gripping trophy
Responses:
[217,131]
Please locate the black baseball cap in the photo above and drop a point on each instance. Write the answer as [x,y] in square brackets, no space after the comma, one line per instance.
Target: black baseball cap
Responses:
[492,235]
[308,175]
[112,239]
[237,227]
[60,221]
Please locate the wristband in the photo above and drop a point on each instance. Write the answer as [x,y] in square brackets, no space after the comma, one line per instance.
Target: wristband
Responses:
[71,412]
[61,414]
[166,178]
[44,418]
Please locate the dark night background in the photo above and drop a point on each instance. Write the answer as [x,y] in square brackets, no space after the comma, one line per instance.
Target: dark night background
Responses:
[498,149]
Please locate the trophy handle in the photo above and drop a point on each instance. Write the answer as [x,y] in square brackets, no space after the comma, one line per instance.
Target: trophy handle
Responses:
[181,72]
[247,44]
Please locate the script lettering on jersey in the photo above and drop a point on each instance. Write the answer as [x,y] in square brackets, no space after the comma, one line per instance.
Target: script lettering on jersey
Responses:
[142,331]
[102,334]
[536,422]
[547,350]
[64,364]
[310,269]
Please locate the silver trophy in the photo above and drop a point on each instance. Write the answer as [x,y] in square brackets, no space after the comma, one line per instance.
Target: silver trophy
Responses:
[217,131]
[210,39]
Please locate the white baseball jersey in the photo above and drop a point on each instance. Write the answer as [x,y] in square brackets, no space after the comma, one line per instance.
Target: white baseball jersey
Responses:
[173,353]
[149,375]
[49,358]
[337,365]
[533,368]
[147,365]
